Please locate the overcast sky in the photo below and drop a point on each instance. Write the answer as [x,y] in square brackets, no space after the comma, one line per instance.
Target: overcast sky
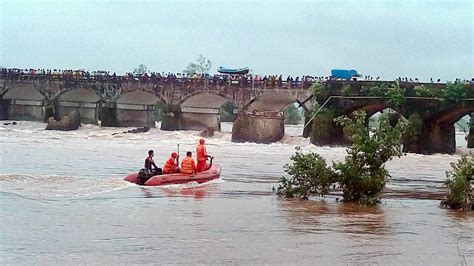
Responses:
[399,38]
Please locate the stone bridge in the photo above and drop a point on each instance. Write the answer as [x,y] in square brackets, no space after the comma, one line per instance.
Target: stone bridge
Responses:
[188,104]
[194,105]
[432,119]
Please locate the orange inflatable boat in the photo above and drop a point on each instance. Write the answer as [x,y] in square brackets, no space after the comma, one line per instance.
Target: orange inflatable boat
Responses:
[213,172]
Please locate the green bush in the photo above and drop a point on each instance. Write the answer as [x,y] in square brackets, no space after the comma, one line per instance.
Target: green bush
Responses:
[379,91]
[460,191]
[361,176]
[423,91]
[319,91]
[396,95]
[346,90]
[310,176]
[453,93]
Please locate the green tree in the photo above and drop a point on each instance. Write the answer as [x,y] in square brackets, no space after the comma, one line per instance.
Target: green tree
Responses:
[396,95]
[226,112]
[201,66]
[140,70]
[319,91]
[423,91]
[361,176]
[460,191]
[160,110]
[292,115]
[454,92]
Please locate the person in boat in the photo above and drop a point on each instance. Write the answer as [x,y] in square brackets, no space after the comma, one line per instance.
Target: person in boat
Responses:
[201,155]
[171,165]
[150,165]
[188,166]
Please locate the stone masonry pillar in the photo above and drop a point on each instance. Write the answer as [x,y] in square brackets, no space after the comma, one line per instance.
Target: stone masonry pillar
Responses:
[108,114]
[433,138]
[326,132]
[441,138]
[258,126]
[470,137]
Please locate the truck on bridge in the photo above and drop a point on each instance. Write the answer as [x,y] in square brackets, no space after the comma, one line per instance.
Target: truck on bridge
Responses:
[344,74]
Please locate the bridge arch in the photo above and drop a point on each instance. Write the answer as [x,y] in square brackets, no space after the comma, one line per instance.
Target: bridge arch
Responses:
[86,95]
[85,101]
[452,115]
[444,122]
[24,92]
[202,110]
[272,101]
[23,102]
[205,99]
[137,108]
[139,97]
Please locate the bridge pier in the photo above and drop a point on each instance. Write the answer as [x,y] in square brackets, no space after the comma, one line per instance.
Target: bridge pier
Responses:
[258,126]
[326,132]
[107,114]
[88,111]
[432,138]
[470,137]
[172,120]
[33,110]
[4,106]
[441,139]
[135,115]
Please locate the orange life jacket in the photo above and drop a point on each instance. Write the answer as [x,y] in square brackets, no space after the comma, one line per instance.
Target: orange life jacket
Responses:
[188,166]
[169,166]
[201,153]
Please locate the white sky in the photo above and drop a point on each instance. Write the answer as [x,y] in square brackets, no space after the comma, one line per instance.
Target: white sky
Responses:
[421,39]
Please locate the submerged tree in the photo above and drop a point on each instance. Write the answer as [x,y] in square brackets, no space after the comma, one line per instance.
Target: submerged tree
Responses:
[201,66]
[460,192]
[361,176]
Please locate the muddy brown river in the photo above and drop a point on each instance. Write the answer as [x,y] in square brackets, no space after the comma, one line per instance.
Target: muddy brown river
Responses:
[63,201]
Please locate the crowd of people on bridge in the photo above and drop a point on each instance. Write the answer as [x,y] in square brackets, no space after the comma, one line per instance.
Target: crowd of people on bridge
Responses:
[221,79]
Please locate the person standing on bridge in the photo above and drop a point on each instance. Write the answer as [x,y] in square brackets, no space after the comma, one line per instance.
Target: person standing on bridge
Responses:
[202,156]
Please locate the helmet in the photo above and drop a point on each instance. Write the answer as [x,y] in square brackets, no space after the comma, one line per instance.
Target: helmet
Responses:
[201,141]
[174,154]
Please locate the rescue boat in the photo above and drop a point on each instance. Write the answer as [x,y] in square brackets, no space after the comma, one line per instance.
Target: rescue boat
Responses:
[212,173]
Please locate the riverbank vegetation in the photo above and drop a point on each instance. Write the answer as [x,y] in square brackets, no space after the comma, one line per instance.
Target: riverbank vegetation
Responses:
[460,191]
[361,176]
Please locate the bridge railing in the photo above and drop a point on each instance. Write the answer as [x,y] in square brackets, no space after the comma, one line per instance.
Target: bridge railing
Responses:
[183,81]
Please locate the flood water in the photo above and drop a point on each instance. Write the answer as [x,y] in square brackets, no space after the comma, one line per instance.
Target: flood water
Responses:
[63,201]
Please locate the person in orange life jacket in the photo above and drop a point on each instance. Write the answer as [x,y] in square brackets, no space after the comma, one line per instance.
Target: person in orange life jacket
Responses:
[202,156]
[150,164]
[171,165]
[187,165]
